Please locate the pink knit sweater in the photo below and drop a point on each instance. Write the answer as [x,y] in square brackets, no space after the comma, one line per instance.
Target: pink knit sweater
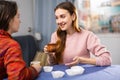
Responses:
[82,44]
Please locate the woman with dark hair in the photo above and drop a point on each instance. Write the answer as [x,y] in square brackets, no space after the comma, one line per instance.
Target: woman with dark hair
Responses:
[74,44]
[12,64]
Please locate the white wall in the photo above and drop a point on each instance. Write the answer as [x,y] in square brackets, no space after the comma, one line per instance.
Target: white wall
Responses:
[26,14]
[112,42]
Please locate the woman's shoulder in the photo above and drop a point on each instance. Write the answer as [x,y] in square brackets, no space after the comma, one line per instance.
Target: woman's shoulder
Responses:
[88,33]
[12,42]
[85,32]
[54,34]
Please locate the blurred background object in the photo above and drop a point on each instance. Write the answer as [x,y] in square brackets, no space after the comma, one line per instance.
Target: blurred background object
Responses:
[99,16]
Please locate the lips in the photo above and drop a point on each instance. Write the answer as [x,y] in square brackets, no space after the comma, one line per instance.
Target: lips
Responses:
[61,25]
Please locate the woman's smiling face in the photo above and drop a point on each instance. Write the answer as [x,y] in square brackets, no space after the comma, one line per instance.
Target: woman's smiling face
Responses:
[63,19]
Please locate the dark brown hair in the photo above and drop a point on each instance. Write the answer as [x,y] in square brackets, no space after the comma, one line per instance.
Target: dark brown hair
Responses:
[8,10]
[62,34]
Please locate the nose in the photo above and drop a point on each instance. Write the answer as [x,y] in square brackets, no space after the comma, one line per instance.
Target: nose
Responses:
[59,21]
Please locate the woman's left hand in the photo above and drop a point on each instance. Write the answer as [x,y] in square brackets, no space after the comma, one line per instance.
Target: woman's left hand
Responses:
[76,60]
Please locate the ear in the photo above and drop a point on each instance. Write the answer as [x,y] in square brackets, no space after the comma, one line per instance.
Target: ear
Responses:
[73,16]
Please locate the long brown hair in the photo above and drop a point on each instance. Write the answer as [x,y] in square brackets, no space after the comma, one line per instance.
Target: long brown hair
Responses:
[8,10]
[62,34]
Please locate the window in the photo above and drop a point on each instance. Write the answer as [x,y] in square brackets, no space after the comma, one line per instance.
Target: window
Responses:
[99,16]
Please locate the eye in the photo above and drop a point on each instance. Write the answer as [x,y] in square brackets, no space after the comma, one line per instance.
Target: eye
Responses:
[62,16]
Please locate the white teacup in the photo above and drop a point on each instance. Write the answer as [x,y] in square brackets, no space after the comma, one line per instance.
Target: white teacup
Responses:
[57,74]
[69,72]
[75,70]
[34,62]
[48,68]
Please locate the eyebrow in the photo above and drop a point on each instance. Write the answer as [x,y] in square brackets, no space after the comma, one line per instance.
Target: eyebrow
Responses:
[63,13]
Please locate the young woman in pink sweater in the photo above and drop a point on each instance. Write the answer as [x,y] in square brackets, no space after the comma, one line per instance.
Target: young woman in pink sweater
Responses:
[74,44]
